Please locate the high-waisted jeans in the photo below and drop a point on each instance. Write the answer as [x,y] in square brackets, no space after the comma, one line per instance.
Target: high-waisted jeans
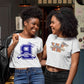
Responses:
[29,76]
[56,77]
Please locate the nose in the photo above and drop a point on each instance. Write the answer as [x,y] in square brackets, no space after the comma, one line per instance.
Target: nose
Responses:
[50,24]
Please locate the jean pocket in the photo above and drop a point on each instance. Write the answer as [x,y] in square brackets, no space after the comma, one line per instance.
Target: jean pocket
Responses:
[19,73]
[63,74]
[38,71]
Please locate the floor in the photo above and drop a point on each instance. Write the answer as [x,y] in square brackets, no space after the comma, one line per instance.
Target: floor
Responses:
[11,79]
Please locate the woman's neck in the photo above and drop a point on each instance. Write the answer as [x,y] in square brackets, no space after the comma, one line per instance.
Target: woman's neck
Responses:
[25,34]
[60,35]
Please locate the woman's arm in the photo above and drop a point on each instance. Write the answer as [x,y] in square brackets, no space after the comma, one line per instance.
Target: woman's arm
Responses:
[73,69]
[43,60]
[40,56]
[12,46]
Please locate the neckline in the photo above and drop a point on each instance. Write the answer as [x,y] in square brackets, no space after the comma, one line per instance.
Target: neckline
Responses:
[25,38]
[61,38]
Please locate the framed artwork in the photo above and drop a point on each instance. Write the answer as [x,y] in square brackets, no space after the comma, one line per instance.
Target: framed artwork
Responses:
[54,1]
[44,1]
[64,1]
[39,1]
[49,1]
[69,1]
[19,25]
[59,1]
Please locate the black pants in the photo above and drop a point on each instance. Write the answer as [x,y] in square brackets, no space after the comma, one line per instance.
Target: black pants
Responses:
[56,77]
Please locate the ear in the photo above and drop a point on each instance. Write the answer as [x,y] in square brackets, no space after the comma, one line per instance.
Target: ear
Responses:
[25,23]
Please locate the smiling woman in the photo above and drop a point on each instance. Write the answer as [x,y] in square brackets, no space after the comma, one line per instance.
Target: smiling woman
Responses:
[25,49]
[61,50]
[31,26]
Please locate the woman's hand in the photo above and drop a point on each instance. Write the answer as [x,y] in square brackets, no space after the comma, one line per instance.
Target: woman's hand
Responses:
[68,83]
[15,38]
[43,62]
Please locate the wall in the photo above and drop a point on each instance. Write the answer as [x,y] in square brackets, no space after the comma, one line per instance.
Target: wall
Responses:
[79,78]
[5,18]
[9,9]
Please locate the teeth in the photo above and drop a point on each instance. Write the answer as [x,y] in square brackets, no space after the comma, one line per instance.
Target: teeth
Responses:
[52,28]
[33,30]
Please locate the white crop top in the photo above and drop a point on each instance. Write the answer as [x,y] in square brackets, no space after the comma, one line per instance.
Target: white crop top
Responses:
[25,53]
[59,51]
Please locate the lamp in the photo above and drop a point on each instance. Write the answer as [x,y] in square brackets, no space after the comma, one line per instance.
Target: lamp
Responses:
[24,4]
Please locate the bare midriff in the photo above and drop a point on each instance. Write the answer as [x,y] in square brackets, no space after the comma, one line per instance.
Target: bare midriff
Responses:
[21,68]
[53,69]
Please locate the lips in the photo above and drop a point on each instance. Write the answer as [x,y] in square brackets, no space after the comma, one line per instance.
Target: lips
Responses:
[53,29]
[33,30]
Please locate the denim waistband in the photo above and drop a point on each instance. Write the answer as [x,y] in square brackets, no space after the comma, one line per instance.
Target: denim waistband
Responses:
[48,72]
[28,69]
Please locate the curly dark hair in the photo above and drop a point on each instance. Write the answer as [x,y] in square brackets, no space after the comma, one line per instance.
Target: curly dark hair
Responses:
[67,19]
[31,12]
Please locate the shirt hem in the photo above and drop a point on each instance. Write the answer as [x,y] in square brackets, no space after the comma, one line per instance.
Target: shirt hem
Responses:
[23,67]
[58,67]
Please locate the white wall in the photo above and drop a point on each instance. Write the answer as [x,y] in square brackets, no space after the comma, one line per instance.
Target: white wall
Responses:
[79,12]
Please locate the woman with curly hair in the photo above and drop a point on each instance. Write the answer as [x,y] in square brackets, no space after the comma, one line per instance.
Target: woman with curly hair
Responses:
[61,48]
[25,49]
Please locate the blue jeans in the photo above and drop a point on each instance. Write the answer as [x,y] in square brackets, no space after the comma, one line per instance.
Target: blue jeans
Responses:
[29,76]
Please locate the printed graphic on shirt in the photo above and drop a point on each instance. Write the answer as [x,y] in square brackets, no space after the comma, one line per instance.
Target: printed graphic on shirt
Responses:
[26,52]
[58,47]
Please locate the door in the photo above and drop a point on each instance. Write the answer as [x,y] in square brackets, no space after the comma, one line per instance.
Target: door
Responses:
[5,20]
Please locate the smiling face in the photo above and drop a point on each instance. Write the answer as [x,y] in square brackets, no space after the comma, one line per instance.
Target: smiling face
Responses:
[31,26]
[55,25]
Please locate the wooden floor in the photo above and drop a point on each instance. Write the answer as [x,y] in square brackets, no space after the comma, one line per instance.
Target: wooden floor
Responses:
[11,79]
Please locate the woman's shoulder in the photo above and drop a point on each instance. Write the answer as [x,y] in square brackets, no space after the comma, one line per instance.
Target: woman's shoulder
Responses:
[74,39]
[38,38]
[52,36]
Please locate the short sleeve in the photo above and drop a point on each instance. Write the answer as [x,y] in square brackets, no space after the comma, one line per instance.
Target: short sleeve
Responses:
[75,46]
[40,46]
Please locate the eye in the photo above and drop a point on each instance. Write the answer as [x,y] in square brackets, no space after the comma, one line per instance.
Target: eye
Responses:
[33,23]
[36,24]
[52,22]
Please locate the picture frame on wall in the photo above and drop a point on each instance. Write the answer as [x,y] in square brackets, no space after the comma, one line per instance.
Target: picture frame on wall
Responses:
[39,1]
[19,25]
[44,1]
[49,1]
[59,1]
[69,1]
[54,1]
[64,1]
